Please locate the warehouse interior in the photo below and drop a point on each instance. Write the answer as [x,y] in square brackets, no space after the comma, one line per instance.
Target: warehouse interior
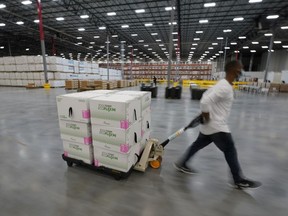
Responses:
[51,50]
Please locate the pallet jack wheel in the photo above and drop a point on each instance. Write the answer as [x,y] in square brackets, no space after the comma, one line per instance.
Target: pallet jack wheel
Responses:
[155,164]
[69,163]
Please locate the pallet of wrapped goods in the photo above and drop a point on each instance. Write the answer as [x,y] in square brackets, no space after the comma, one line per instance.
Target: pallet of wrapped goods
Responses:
[84,83]
[30,86]
[121,83]
[112,84]
[71,84]
[284,88]
[101,83]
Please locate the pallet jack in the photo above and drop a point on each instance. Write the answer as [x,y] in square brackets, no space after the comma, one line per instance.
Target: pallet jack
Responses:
[153,152]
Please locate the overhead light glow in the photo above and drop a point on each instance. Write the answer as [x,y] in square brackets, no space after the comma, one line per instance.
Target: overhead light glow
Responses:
[36,21]
[2,47]
[2,6]
[26,2]
[114,36]
[203,21]
[245,47]
[79,43]
[194,44]
[125,26]
[193,48]
[81,29]
[148,24]
[102,28]
[96,36]
[146,45]
[158,40]
[92,42]
[207,52]
[60,18]
[169,8]
[161,44]
[111,14]
[210,48]
[154,33]
[236,51]
[212,4]
[255,42]
[253,51]
[214,44]
[255,1]
[277,42]
[268,34]
[174,33]
[272,17]
[174,23]
[226,47]
[265,47]
[199,32]
[227,30]
[217,54]
[140,41]
[27,49]
[242,37]
[221,51]
[233,43]
[2,24]
[285,46]
[196,39]
[79,38]
[284,27]
[134,35]
[19,23]
[140,11]
[237,19]
[85,16]
[220,38]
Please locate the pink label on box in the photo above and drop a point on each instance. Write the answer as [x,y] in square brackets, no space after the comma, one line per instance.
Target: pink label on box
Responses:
[86,114]
[124,148]
[124,124]
[96,163]
[87,140]
[65,153]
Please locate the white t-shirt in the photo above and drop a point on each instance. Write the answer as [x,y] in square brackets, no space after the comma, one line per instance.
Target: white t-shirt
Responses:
[218,102]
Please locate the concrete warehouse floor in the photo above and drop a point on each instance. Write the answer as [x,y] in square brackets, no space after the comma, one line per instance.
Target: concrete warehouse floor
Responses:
[36,181]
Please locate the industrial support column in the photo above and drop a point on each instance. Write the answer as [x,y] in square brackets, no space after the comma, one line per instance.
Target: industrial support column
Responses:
[251,62]
[131,62]
[122,49]
[170,43]
[9,47]
[268,58]
[108,42]
[39,8]
[225,51]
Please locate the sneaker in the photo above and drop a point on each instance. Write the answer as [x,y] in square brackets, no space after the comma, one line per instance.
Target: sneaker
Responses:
[184,169]
[246,183]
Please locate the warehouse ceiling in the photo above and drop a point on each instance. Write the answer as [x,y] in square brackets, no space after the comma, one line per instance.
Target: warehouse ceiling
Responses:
[74,27]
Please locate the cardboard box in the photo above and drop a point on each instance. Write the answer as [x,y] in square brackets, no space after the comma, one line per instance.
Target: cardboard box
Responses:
[76,132]
[78,151]
[115,160]
[75,107]
[116,139]
[21,60]
[145,98]
[112,110]
[10,68]
[9,61]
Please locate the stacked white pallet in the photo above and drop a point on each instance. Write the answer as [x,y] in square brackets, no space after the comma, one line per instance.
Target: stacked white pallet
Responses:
[116,130]
[113,74]
[75,124]
[21,70]
[145,113]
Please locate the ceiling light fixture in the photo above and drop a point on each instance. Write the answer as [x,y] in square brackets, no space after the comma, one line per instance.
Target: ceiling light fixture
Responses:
[95,36]
[265,47]
[245,47]
[268,34]
[253,51]
[102,28]
[2,6]
[233,43]
[111,14]
[158,40]
[85,16]
[242,37]
[194,44]
[114,36]
[199,32]
[212,4]
[140,41]
[277,42]
[174,23]
[196,39]
[36,21]
[60,18]
[125,26]
[255,1]
[285,46]
[26,2]
[284,27]
[227,30]
[236,19]
[81,29]
[154,33]
[220,38]
[169,8]
[203,21]
[148,24]
[255,42]
[272,17]
[214,44]
[134,35]
[19,23]
[140,11]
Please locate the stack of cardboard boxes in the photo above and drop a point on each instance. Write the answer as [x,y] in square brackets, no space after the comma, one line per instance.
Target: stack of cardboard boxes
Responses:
[105,127]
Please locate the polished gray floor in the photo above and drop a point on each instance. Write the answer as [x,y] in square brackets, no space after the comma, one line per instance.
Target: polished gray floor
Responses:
[34,180]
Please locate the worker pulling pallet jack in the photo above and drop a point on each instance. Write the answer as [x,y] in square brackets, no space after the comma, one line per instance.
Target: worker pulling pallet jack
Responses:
[215,105]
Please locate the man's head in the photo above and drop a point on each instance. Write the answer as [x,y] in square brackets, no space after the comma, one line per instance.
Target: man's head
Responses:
[233,70]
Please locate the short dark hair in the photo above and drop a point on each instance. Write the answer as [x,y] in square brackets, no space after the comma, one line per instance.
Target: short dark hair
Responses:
[231,65]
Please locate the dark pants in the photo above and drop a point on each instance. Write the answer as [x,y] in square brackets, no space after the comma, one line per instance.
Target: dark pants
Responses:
[225,143]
